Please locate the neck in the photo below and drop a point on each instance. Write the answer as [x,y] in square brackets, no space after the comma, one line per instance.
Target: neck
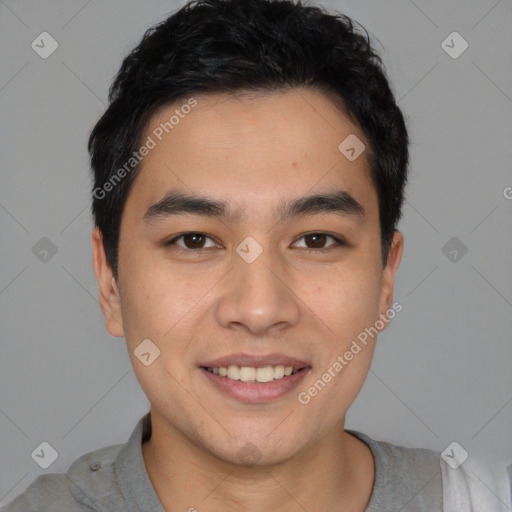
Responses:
[335,474]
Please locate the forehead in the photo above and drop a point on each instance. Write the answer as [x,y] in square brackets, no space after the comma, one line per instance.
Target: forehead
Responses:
[252,148]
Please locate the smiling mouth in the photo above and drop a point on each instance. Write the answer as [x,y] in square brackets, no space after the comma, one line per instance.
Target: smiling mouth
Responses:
[254,374]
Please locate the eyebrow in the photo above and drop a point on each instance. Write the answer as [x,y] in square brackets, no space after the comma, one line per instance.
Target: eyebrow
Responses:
[339,202]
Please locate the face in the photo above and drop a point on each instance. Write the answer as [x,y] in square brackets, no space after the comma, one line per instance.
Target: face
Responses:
[250,274]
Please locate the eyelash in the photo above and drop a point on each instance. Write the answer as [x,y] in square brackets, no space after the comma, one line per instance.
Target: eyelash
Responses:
[337,242]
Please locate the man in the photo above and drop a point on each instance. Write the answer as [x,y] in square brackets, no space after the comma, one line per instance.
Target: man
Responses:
[248,182]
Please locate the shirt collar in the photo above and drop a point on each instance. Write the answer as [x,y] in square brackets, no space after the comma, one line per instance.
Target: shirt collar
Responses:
[140,495]
[132,476]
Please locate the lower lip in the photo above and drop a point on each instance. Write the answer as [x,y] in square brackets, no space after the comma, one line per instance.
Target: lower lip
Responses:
[256,392]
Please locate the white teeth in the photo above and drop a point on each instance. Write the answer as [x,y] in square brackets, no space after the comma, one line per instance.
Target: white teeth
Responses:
[278,372]
[265,374]
[233,372]
[251,374]
[247,374]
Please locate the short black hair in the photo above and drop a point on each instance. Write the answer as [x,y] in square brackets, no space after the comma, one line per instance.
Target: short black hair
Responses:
[239,46]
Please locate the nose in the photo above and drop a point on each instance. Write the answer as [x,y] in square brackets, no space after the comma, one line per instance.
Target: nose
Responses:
[258,297]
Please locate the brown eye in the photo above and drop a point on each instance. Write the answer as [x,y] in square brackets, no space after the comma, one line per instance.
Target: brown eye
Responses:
[191,241]
[318,240]
[194,240]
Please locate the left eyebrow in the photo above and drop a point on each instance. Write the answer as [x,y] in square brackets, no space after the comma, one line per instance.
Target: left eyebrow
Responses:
[339,202]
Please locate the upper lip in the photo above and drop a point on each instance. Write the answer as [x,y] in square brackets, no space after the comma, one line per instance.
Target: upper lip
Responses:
[255,361]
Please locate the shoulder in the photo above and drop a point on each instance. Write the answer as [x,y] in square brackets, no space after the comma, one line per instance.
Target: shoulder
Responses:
[89,484]
[421,480]
[406,479]
[398,460]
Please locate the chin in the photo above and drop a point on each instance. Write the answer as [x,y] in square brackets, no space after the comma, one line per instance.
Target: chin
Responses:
[257,446]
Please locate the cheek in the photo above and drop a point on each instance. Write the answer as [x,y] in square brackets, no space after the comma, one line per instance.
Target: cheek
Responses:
[158,306]
[346,299]
[347,302]
[155,300]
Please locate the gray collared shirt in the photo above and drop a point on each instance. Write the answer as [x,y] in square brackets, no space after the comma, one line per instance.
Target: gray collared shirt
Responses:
[114,479]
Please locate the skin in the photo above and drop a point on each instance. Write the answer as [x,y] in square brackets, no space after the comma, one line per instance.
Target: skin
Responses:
[253,152]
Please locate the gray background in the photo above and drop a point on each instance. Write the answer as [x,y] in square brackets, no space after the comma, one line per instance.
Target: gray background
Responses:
[441,370]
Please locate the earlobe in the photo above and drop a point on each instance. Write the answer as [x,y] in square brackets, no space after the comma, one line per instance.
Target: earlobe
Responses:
[109,296]
[390,271]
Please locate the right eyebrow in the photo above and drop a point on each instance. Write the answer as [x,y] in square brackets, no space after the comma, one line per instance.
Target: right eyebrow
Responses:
[179,203]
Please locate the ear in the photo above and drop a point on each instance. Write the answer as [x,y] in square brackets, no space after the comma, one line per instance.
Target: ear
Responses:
[108,291]
[389,272]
